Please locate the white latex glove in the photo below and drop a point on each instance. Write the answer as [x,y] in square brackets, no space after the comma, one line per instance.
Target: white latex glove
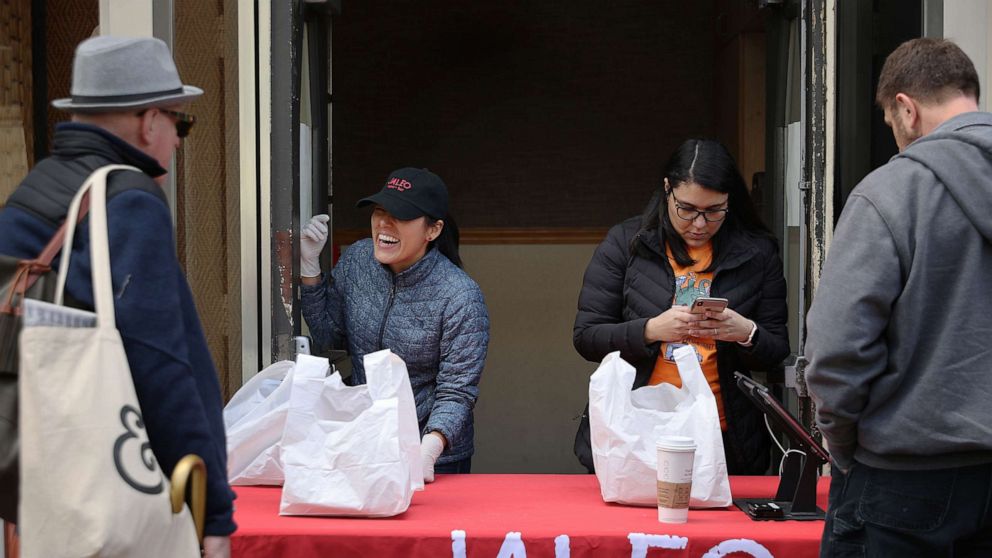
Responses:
[430,449]
[217,547]
[312,239]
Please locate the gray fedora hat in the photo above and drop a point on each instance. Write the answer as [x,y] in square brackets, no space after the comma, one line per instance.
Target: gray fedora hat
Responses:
[123,73]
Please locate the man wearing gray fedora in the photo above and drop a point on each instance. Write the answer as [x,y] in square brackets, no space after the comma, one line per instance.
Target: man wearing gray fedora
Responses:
[126,106]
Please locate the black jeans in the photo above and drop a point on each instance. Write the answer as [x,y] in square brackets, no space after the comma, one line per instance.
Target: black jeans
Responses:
[463,466]
[879,512]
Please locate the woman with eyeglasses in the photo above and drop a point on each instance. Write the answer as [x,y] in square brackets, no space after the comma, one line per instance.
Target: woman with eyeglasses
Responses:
[699,236]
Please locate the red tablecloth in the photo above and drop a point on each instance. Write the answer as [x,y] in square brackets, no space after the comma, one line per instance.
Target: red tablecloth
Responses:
[539,507]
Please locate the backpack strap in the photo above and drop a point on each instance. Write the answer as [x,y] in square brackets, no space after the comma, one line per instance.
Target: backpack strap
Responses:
[28,271]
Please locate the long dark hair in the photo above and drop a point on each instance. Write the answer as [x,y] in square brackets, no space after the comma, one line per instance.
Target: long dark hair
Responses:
[447,241]
[709,164]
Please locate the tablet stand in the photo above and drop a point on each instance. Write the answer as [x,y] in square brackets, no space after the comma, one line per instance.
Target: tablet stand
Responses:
[795,498]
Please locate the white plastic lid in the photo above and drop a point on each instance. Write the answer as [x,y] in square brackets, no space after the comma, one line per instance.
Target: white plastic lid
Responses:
[676,443]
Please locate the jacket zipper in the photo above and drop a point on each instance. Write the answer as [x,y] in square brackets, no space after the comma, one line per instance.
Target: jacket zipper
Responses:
[389,306]
[723,383]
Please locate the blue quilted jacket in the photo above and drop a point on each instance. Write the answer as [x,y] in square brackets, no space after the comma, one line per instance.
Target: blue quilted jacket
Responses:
[431,315]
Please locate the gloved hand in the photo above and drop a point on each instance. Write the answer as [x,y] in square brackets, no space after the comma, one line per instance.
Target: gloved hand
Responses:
[430,449]
[312,239]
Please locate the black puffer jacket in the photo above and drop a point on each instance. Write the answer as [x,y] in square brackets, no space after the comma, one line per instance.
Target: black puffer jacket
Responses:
[621,292]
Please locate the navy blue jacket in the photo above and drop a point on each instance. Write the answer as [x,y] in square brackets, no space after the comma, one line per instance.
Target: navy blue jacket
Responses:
[431,315]
[174,375]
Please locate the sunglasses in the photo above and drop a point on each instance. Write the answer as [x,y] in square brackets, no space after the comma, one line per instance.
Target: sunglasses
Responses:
[184,121]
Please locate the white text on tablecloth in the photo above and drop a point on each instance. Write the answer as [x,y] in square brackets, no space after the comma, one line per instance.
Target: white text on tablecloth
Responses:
[514,547]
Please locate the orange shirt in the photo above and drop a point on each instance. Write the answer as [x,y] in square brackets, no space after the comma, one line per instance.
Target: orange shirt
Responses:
[690,283]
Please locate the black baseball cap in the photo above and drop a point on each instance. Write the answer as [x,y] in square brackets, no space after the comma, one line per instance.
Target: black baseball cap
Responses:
[410,193]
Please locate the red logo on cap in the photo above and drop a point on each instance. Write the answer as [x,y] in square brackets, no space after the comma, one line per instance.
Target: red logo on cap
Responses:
[399,184]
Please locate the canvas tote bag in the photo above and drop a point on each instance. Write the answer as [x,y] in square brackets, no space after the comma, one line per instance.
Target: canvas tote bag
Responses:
[20,279]
[90,483]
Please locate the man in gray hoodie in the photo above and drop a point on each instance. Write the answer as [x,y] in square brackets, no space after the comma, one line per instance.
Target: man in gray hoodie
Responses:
[900,330]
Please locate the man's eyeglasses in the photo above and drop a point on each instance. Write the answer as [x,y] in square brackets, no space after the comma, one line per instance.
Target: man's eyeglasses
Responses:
[690,213]
[184,121]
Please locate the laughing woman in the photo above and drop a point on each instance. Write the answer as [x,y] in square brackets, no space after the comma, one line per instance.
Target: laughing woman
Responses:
[404,290]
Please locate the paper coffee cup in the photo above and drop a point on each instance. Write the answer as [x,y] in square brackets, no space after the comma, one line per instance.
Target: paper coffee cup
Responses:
[675,457]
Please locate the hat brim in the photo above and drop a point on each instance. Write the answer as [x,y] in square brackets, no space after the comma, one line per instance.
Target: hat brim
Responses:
[397,207]
[189,93]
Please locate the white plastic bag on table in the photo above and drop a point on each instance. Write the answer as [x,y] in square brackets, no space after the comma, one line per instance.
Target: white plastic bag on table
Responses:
[351,451]
[254,420]
[625,424]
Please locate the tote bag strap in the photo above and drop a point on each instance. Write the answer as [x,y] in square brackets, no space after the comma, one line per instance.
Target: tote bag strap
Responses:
[29,271]
[103,297]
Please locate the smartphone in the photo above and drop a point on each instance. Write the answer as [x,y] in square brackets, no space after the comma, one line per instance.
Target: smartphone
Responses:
[704,303]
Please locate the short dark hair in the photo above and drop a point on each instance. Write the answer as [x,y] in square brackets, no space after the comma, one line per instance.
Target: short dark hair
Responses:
[709,164]
[928,70]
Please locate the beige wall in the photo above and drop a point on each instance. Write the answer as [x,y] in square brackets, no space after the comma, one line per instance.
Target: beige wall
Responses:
[967,22]
[534,383]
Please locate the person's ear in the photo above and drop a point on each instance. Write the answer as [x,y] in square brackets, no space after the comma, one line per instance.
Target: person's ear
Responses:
[907,111]
[668,187]
[146,127]
[434,230]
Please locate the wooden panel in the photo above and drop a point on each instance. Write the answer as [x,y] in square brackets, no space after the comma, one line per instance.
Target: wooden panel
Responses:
[206,208]
[726,103]
[13,155]
[751,106]
[15,94]
[68,23]
[590,235]
[740,96]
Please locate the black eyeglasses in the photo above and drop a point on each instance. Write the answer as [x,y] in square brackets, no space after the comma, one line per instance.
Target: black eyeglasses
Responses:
[184,121]
[690,213]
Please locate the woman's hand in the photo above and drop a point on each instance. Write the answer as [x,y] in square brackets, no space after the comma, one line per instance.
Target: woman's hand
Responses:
[722,326]
[313,236]
[671,325]
[431,447]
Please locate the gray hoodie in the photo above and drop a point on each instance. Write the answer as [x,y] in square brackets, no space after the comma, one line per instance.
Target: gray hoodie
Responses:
[900,330]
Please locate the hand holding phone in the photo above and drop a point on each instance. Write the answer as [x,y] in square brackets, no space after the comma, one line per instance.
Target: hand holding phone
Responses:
[669,326]
[704,303]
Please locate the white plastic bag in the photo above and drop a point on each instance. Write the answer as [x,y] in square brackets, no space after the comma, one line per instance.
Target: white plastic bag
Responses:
[254,420]
[351,451]
[625,424]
